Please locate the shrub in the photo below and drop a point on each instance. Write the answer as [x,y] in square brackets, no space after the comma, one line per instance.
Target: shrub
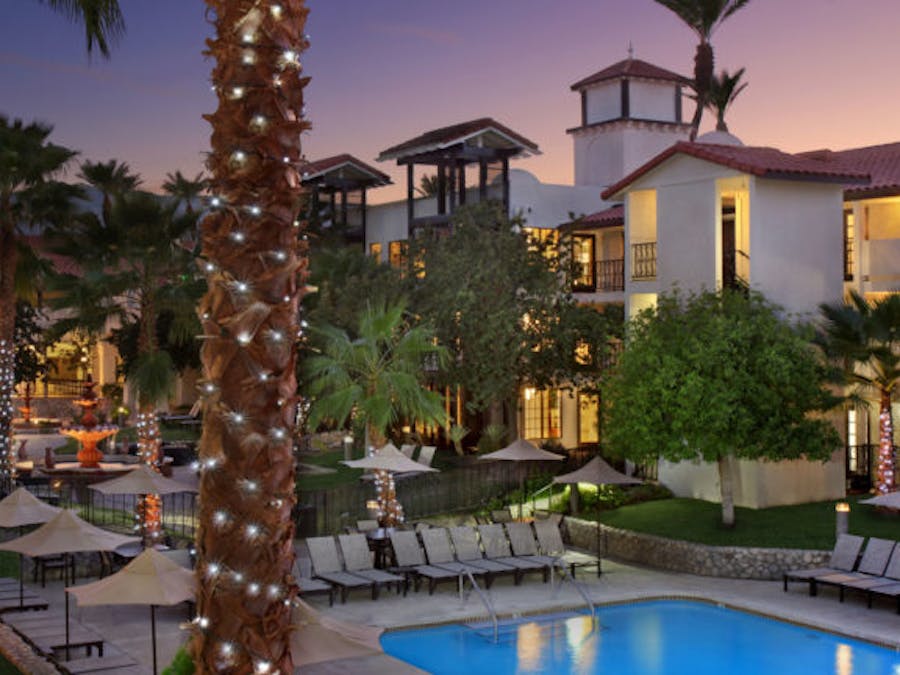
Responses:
[182,664]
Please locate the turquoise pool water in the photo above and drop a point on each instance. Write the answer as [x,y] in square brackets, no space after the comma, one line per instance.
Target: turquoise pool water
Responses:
[660,637]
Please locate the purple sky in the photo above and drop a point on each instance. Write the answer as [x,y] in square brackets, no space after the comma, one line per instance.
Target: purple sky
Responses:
[822,73]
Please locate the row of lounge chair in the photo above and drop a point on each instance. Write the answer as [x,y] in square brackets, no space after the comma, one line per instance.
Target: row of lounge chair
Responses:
[876,572]
[439,554]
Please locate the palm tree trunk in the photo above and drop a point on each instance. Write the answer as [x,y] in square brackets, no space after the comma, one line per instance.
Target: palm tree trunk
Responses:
[704,63]
[8,259]
[148,507]
[726,488]
[390,510]
[255,263]
[885,477]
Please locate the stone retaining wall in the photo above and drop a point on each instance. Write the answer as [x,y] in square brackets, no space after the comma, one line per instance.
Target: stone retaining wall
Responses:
[22,656]
[680,556]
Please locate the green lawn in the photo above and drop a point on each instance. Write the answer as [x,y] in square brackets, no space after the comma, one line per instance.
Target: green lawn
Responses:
[802,526]
[330,460]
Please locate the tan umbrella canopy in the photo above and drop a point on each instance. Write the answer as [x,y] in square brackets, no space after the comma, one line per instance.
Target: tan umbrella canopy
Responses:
[22,508]
[317,638]
[597,472]
[890,500]
[522,451]
[150,579]
[66,533]
[388,458]
[141,481]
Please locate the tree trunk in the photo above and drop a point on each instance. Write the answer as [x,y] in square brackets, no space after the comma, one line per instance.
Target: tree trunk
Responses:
[149,507]
[8,259]
[726,487]
[390,512]
[885,476]
[704,63]
[256,263]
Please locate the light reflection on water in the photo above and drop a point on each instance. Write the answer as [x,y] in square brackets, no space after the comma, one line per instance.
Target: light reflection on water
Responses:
[843,659]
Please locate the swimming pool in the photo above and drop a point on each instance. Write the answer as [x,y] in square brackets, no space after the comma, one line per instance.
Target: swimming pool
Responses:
[659,637]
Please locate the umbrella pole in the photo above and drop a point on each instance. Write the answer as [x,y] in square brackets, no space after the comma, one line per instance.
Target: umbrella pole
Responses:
[67,622]
[522,492]
[21,584]
[153,634]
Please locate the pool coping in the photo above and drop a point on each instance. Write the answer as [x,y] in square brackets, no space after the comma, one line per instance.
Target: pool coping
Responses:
[728,604]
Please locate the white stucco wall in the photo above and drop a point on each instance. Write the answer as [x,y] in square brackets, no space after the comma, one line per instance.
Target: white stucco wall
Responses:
[604,102]
[603,155]
[796,243]
[652,100]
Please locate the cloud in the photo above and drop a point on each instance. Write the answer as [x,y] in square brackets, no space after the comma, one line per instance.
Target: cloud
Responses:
[440,37]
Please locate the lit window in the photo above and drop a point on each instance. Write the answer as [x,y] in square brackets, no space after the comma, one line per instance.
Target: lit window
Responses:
[375,249]
[542,413]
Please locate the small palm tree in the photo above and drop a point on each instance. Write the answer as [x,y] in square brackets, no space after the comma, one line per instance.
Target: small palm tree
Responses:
[184,190]
[702,17]
[112,179]
[376,378]
[866,338]
[722,92]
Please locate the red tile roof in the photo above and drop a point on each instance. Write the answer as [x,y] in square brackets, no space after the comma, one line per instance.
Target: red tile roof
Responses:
[329,164]
[762,162]
[61,263]
[437,139]
[881,162]
[630,68]
[612,217]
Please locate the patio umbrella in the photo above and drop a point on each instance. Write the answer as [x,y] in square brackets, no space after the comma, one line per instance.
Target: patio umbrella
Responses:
[66,533]
[318,638]
[597,472]
[388,458]
[150,579]
[890,500]
[22,508]
[142,481]
[522,451]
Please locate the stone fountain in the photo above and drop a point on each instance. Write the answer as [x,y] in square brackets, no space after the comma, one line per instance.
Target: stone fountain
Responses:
[89,432]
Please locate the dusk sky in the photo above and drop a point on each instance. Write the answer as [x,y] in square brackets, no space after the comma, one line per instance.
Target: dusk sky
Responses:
[821,73]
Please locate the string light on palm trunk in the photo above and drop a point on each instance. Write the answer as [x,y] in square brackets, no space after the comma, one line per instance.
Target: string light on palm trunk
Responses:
[7,386]
[249,315]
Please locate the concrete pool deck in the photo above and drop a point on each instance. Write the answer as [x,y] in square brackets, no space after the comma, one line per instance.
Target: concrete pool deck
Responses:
[127,627]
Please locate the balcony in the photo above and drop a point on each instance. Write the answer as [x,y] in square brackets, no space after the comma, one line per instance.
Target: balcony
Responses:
[611,275]
[643,261]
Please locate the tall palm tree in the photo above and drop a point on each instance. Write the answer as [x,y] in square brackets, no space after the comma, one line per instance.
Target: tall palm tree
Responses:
[702,17]
[866,337]
[132,268]
[255,257]
[184,190]
[722,92]
[102,20]
[28,161]
[112,179]
[375,377]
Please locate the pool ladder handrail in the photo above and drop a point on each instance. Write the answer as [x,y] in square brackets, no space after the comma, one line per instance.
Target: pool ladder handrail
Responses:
[564,574]
[484,599]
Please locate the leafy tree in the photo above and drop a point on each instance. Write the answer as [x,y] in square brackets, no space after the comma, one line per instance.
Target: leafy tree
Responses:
[28,162]
[112,179]
[866,338]
[29,343]
[723,89]
[102,20]
[718,376]
[702,17]
[376,377]
[428,185]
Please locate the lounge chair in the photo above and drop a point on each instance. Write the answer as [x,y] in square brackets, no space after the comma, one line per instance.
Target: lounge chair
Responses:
[871,566]
[891,577]
[496,547]
[358,560]
[426,455]
[501,515]
[327,566]
[468,551]
[524,546]
[437,548]
[411,561]
[408,449]
[889,590]
[307,585]
[550,542]
[843,559]
[366,525]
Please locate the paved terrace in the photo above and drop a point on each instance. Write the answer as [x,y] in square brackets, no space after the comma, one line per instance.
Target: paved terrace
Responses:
[128,627]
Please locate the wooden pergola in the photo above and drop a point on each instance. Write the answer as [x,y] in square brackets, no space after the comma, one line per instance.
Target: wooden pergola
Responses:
[482,142]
